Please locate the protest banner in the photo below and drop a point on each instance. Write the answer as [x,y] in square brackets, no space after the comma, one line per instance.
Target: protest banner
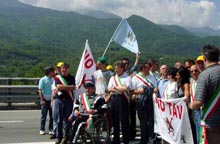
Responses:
[172,120]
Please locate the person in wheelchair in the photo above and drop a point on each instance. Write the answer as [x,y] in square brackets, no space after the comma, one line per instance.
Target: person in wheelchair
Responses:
[86,105]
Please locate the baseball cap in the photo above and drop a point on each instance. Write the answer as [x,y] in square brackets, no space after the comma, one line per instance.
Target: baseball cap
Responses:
[200,58]
[89,83]
[109,67]
[102,59]
[59,64]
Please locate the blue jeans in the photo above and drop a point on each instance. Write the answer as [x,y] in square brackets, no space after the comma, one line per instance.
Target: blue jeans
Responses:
[54,122]
[197,123]
[44,110]
[58,117]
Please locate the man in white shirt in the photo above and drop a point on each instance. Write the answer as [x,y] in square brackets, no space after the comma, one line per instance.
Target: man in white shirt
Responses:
[119,87]
[143,90]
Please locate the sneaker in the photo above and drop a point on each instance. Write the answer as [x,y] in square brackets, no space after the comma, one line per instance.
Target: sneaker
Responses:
[42,132]
[51,133]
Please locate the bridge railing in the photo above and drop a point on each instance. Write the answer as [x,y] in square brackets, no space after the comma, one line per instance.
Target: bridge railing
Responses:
[19,90]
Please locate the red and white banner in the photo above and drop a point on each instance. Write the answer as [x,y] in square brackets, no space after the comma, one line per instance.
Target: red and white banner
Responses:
[85,70]
[172,120]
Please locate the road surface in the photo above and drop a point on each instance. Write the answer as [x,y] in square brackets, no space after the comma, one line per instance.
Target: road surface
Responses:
[22,127]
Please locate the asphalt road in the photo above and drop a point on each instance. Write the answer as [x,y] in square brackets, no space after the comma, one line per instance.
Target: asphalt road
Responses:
[22,127]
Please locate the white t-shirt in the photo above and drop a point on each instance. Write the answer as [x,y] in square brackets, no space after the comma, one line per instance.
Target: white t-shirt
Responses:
[101,81]
[125,80]
[137,83]
[171,90]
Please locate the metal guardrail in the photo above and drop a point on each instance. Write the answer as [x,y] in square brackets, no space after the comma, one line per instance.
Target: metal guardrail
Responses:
[11,91]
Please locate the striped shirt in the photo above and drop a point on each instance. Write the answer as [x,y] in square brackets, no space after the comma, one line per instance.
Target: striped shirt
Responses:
[207,83]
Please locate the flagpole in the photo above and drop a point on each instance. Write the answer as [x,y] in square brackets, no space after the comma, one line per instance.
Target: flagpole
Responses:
[112,37]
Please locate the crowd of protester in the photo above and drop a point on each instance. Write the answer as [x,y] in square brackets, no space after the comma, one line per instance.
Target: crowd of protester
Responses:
[125,91]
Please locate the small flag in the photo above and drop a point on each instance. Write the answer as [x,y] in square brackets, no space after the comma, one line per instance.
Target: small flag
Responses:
[125,37]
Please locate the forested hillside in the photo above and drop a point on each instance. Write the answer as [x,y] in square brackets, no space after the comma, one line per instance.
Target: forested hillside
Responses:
[32,38]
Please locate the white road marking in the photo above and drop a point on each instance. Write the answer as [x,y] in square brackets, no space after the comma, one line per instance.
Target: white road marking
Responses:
[33,143]
[16,111]
[18,121]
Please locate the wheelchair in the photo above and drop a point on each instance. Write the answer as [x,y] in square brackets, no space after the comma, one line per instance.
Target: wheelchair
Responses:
[99,134]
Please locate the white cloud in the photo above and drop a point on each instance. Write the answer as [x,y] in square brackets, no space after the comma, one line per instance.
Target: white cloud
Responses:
[180,12]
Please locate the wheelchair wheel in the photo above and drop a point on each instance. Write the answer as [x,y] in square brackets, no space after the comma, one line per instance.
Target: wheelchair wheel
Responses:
[83,137]
[101,133]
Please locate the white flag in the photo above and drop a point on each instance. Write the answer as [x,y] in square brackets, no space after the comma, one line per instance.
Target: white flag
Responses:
[171,120]
[85,69]
[125,37]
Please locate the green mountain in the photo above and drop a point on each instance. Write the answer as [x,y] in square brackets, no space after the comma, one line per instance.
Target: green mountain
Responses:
[177,29]
[98,14]
[32,38]
[204,31]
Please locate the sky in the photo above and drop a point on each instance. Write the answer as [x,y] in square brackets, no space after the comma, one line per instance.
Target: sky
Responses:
[187,13]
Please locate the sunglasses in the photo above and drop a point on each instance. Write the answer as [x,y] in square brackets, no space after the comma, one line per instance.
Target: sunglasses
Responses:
[193,71]
[126,63]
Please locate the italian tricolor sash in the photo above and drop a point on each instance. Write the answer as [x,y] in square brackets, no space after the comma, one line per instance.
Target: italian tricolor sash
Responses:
[203,138]
[145,80]
[193,90]
[87,106]
[64,82]
[118,82]
[207,112]
[165,94]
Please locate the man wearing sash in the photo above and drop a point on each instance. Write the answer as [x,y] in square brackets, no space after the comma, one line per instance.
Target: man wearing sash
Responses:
[63,102]
[87,104]
[194,71]
[208,96]
[143,90]
[120,85]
